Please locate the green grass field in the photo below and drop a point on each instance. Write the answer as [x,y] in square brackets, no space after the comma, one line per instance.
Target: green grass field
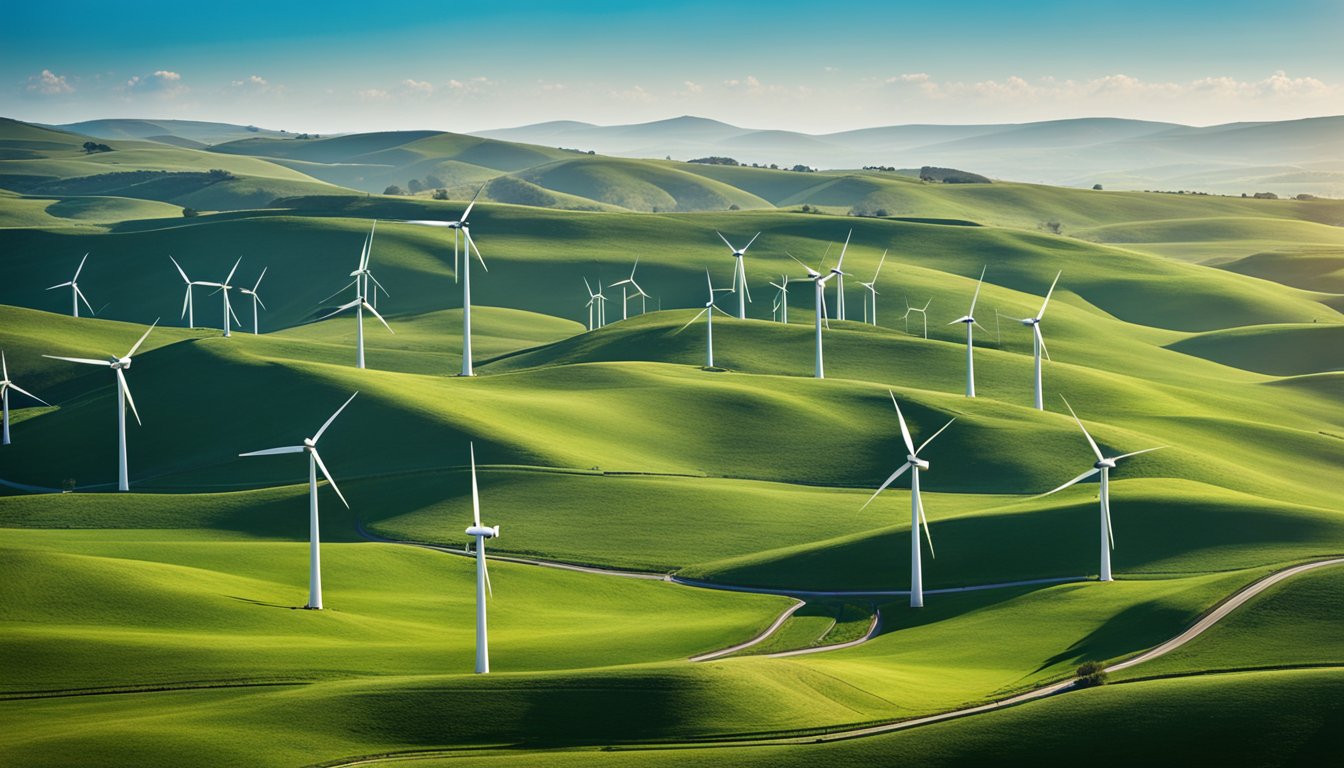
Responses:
[134,627]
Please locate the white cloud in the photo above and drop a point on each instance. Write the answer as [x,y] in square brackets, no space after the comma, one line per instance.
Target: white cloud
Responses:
[162,83]
[49,83]
[693,87]
[418,86]
[373,94]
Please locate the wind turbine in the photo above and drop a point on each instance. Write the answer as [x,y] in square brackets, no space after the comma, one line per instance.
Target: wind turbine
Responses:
[709,311]
[481,533]
[359,304]
[256,299]
[225,287]
[5,386]
[923,313]
[871,298]
[188,305]
[969,320]
[1038,341]
[364,274]
[461,230]
[592,302]
[917,516]
[630,281]
[740,274]
[782,299]
[314,464]
[819,283]
[1104,466]
[76,295]
[118,366]
[840,282]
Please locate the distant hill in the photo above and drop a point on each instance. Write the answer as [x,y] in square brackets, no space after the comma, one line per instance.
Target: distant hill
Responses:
[167,131]
[1282,157]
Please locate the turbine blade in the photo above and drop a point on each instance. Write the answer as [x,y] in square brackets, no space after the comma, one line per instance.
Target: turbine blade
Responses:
[259,278]
[693,319]
[710,282]
[126,390]
[136,348]
[275,451]
[229,279]
[725,314]
[318,458]
[979,283]
[1090,441]
[880,262]
[332,418]
[1123,455]
[1041,339]
[61,285]
[83,298]
[884,485]
[844,248]
[923,518]
[471,246]
[83,360]
[810,271]
[1041,314]
[905,431]
[475,493]
[472,204]
[328,298]
[825,315]
[590,288]
[258,299]
[369,307]
[185,279]
[485,568]
[17,388]
[229,304]
[4,367]
[1110,530]
[749,242]
[1077,479]
[457,261]
[80,268]
[186,301]
[935,434]
[339,310]
[725,241]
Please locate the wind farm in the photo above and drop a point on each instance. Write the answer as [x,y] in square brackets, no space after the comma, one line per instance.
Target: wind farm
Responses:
[721,515]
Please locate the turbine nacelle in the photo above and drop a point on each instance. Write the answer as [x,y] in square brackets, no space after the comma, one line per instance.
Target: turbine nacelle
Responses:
[966,319]
[1030,321]
[1105,464]
[123,363]
[917,462]
[484,531]
[309,443]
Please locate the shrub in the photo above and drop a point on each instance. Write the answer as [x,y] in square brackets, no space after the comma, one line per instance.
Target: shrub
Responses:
[734,207]
[1265,196]
[1096,187]
[1091,674]
[190,212]
[440,194]
[393,189]
[90,147]
[219,174]
[714,161]
[414,186]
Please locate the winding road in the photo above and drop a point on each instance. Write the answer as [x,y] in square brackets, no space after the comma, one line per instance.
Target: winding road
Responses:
[1202,625]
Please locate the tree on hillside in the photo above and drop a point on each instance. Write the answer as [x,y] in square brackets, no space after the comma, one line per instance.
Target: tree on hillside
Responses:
[415,186]
[433,181]
[90,147]
[393,189]
[440,194]
[1096,186]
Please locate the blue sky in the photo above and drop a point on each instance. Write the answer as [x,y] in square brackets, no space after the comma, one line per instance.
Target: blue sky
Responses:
[813,66]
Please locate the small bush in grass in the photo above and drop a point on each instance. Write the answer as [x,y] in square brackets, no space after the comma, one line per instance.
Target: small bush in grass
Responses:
[1091,673]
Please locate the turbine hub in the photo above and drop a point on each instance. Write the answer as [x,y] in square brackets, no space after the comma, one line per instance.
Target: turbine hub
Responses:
[483,531]
[122,363]
[308,443]
[1105,464]
[917,462]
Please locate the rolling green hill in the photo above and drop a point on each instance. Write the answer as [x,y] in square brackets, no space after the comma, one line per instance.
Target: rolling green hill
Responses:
[137,626]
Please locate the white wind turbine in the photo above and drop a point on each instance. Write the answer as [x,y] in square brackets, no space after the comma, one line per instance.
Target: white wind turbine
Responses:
[969,320]
[1104,466]
[224,288]
[923,313]
[871,298]
[740,274]
[256,299]
[840,280]
[1038,341]
[76,295]
[314,464]
[365,275]
[592,303]
[782,298]
[5,386]
[917,516]
[708,311]
[118,366]
[462,230]
[630,281]
[481,533]
[819,283]
[188,305]
[360,303]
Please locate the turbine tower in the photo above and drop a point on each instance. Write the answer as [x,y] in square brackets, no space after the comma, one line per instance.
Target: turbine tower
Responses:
[256,299]
[481,533]
[871,298]
[314,464]
[5,386]
[923,313]
[225,287]
[708,311]
[360,303]
[188,305]
[782,298]
[1104,466]
[840,280]
[819,284]
[119,365]
[740,274]
[462,230]
[76,295]
[1038,341]
[917,516]
[969,320]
